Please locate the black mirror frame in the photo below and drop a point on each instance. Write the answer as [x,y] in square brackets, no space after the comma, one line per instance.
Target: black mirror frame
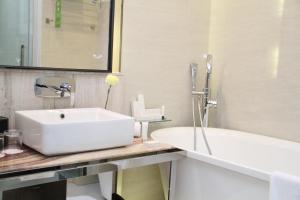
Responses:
[110,52]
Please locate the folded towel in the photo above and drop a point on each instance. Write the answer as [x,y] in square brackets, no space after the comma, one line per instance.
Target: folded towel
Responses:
[284,187]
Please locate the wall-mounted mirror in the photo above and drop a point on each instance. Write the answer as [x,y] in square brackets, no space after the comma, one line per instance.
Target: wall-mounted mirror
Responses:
[75,35]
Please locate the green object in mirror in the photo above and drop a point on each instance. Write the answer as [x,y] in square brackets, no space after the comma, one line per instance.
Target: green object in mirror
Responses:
[58,14]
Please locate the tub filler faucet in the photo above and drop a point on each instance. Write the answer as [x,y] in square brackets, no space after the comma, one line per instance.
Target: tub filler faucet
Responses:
[201,100]
[205,94]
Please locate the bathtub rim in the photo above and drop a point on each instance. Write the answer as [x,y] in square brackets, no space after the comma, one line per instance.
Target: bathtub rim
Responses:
[223,163]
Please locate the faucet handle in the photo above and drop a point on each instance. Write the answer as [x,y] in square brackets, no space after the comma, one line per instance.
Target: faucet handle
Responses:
[213,103]
[65,90]
[66,86]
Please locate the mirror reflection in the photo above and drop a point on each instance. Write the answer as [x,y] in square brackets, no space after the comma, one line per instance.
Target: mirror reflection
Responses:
[68,34]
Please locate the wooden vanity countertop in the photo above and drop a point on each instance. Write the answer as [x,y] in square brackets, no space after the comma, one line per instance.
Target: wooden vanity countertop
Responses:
[31,160]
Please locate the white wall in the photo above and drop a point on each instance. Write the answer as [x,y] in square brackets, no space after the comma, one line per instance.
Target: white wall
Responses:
[256,48]
[160,40]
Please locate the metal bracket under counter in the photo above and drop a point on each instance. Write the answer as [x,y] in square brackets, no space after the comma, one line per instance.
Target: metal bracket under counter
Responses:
[16,182]
[20,181]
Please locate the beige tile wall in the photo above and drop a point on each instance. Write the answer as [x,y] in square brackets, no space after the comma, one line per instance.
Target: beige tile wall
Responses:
[142,183]
[160,40]
[256,47]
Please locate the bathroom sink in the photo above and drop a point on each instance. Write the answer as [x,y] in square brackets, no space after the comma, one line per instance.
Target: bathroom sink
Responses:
[53,132]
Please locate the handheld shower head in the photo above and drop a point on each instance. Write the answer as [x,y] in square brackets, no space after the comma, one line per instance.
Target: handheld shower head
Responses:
[209,59]
[194,69]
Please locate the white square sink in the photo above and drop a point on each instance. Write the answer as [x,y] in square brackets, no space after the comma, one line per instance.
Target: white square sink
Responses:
[53,132]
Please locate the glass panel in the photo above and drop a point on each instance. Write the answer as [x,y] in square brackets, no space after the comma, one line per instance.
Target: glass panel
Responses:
[14,32]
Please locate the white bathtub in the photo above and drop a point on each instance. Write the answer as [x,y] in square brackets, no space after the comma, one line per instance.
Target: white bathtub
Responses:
[239,169]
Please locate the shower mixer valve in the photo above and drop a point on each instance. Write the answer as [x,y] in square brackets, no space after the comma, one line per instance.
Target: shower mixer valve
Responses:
[201,101]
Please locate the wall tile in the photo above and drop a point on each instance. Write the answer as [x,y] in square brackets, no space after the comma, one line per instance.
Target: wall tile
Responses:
[256,74]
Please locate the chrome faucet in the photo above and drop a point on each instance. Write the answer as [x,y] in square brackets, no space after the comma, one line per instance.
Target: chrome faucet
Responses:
[62,90]
[54,87]
[207,103]
[201,101]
